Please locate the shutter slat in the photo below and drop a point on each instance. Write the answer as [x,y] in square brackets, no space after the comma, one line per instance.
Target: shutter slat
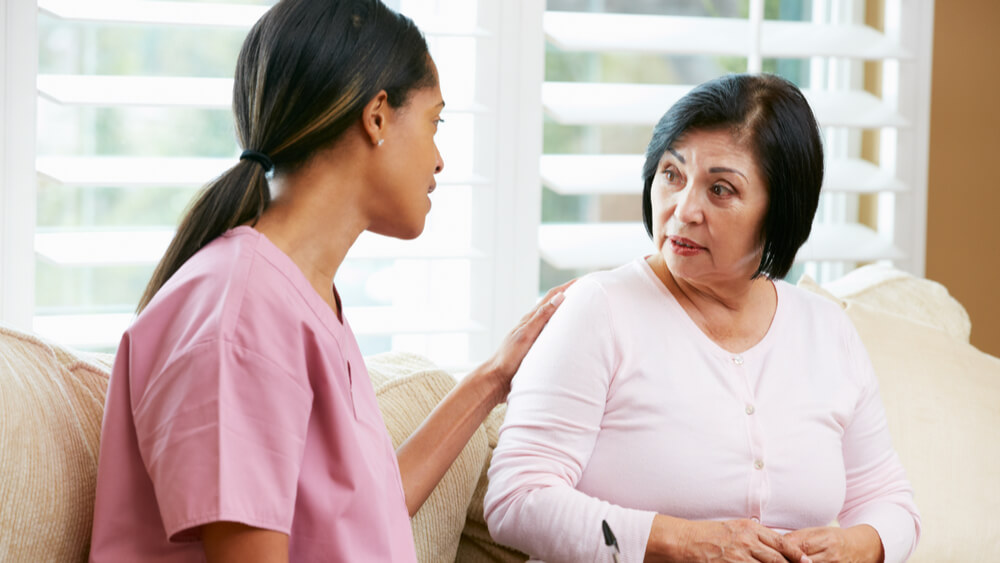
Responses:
[105,329]
[619,174]
[686,35]
[159,91]
[164,171]
[581,103]
[200,14]
[144,247]
[575,246]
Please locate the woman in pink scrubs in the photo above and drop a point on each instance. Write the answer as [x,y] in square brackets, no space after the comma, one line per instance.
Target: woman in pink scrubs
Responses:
[240,422]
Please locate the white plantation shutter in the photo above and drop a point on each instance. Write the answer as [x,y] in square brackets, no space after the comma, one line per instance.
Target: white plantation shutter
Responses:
[548,113]
[109,141]
[834,41]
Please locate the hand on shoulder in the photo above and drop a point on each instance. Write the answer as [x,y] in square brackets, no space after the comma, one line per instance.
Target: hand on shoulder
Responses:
[507,359]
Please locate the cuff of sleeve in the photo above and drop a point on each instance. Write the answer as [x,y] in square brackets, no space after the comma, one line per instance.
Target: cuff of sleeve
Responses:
[896,527]
[190,529]
[631,528]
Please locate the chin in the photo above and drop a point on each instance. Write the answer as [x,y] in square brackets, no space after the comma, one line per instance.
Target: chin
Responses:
[403,232]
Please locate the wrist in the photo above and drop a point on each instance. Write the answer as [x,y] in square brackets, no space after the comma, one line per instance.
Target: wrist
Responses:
[867,543]
[488,385]
[666,539]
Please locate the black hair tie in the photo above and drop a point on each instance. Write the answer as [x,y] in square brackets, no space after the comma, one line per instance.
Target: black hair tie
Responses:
[259,158]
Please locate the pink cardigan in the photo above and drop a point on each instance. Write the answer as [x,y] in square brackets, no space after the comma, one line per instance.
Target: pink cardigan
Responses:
[624,409]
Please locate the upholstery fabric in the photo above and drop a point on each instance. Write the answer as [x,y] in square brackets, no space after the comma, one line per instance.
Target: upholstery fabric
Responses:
[894,291]
[51,402]
[477,546]
[408,387]
[941,398]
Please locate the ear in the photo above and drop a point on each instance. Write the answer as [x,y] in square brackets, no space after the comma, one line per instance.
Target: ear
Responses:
[374,117]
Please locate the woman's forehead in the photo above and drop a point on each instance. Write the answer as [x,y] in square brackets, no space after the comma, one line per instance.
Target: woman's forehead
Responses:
[722,141]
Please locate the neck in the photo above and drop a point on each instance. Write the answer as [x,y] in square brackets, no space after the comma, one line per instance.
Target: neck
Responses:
[315,217]
[733,296]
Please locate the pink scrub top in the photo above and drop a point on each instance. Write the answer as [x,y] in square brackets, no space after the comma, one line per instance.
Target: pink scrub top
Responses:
[238,395]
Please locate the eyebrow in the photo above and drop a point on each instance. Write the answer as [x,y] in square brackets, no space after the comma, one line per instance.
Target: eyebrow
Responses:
[732,170]
[714,170]
[440,105]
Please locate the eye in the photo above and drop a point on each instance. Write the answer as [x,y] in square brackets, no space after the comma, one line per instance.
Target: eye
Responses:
[438,121]
[671,174]
[721,190]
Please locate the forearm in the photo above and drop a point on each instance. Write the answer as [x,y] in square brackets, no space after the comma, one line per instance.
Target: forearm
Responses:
[869,541]
[231,542]
[560,524]
[426,455]
[665,539]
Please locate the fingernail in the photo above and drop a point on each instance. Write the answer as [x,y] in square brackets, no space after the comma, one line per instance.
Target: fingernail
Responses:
[559,298]
[805,560]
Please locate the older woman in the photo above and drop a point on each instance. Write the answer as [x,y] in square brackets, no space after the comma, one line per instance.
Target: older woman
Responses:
[702,407]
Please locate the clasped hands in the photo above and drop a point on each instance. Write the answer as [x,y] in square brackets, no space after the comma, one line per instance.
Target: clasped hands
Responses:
[749,541]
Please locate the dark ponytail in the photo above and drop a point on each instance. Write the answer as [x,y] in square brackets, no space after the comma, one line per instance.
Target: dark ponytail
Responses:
[304,75]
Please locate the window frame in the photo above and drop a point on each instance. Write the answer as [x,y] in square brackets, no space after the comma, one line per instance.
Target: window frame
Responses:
[18,68]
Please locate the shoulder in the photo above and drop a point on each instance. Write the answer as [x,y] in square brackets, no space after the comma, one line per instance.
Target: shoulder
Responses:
[822,325]
[233,289]
[809,305]
[629,281]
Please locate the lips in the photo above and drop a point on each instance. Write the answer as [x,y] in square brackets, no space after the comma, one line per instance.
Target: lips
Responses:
[432,188]
[685,243]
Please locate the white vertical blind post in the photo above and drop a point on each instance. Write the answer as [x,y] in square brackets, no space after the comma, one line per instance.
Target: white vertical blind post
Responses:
[18,66]
[517,210]
[755,60]
[914,29]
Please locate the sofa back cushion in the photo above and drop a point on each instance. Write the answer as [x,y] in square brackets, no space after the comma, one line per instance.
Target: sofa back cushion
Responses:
[942,402]
[919,300]
[51,403]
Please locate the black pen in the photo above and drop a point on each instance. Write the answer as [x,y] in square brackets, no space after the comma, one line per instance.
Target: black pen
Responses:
[610,541]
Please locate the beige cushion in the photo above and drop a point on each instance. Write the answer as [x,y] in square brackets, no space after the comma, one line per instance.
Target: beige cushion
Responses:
[942,400]
[477,546]
[51,403]
[408,387]
[894,291]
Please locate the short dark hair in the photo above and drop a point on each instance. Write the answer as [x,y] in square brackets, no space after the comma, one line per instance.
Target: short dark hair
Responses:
[772,117]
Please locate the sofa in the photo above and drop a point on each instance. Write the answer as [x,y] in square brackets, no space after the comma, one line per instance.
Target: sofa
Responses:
[942,398]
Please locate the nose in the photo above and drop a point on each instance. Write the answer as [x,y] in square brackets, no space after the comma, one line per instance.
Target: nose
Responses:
[689,206]
[440,161]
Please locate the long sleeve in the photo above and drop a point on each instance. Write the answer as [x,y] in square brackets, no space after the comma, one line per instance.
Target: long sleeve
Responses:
[554,416]
[878,492]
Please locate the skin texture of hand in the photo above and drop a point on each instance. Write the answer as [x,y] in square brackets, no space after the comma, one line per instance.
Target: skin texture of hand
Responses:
[427,454]
[732,541]
[507,359]
[857,544]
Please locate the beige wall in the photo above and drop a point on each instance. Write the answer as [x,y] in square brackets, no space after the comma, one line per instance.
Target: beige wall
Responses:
[963,208]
